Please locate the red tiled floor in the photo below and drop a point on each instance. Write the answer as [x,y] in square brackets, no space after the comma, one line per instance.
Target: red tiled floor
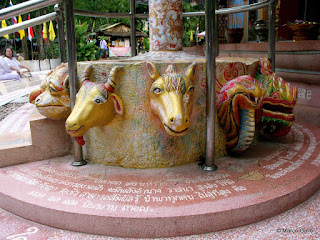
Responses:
[301,222]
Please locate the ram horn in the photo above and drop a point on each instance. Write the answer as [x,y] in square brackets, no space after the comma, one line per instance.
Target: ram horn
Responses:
[111,83]
[86,74]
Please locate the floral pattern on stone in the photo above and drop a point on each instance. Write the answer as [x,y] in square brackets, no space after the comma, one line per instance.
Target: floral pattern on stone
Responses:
[165,20]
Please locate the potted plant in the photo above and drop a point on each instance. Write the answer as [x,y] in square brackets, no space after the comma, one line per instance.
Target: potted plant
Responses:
[261,28]
[301,29]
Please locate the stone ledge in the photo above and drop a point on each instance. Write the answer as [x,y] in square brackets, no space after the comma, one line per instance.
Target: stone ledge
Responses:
[49,139]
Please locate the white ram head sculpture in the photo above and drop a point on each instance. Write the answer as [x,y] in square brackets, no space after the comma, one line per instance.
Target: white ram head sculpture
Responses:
[96,105]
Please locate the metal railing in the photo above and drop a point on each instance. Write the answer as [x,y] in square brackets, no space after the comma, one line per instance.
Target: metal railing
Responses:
[211,46]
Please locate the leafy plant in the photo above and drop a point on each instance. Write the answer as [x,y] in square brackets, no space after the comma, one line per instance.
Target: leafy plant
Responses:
[86,51]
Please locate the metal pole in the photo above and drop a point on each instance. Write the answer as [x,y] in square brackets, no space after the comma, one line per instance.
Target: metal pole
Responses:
[61,35]
[133,28]
[305,10]
[31,49]
[26,24]
[25,7]
[216,44]
[211,76]
[272,33]
[72,68]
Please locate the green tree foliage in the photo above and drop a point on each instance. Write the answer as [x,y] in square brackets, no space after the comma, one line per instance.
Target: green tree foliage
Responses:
[116,6]
[85,50]
[190,23]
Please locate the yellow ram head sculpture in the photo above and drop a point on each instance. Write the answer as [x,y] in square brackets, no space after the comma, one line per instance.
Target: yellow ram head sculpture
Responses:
[96,105]
[171,98]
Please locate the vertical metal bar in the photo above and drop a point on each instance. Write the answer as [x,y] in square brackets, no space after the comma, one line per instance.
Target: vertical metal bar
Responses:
[31,49]
[133,28]
[305,10]
[61,36]
[216,44]
[211,76]
[72,68]
[272,33]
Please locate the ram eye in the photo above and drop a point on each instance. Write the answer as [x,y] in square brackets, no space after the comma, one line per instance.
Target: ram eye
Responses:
[157,90]
[191,89]
[52,89]
[99,100]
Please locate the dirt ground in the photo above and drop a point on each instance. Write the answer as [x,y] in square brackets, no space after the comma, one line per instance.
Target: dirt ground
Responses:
[8,108]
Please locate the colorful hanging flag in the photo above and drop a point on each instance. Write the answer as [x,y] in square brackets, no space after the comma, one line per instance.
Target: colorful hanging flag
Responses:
[22,33]
[30,31]
[14,19]
[191,36]
[52,35]
[3,25]
[44,32]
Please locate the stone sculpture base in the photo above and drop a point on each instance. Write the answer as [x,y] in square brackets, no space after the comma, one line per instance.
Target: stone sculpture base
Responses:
[270,178]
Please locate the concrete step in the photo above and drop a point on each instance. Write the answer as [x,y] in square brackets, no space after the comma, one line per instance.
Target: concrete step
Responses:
[46,139]
[13,85]
[10,85]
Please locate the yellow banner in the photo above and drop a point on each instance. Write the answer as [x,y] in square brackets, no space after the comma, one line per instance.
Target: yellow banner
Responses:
[3,25]
[22,33]
[51,32]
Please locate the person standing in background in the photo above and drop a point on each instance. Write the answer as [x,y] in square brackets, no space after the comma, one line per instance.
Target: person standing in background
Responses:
[103,48]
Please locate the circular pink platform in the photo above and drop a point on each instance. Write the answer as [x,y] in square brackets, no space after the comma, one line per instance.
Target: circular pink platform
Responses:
[267,180]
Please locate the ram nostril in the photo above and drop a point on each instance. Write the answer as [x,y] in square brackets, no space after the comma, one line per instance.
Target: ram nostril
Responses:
[172,119]
[187,120]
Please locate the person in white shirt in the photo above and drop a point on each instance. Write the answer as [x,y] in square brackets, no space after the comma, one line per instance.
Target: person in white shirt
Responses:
[6,73]
[103,48]
[13,62]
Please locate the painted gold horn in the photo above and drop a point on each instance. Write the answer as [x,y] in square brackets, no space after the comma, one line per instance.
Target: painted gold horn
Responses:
[86,74]
[111,83]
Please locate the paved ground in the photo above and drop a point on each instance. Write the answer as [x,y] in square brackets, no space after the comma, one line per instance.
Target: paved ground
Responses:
[17,121]
[301,222]
[11,101]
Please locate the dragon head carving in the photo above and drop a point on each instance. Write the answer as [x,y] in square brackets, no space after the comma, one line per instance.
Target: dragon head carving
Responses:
[239,104]
[277,110]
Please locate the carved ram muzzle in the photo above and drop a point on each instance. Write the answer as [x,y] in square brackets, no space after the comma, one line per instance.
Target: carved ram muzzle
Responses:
[171,98]
[96,105]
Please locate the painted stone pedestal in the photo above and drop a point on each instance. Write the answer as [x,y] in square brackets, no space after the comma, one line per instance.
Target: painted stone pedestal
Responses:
[137,139]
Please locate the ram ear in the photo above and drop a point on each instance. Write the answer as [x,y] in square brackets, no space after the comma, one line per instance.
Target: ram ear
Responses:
[153,73]
[191,71]
[118,105]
